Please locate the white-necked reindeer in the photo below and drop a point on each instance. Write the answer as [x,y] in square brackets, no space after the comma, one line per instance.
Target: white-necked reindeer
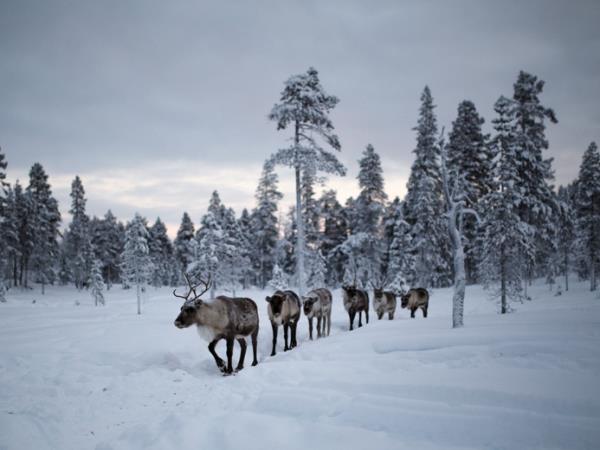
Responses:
[383,301]
[220,318]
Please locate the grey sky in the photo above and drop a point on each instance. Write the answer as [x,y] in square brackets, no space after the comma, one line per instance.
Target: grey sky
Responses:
[156,104]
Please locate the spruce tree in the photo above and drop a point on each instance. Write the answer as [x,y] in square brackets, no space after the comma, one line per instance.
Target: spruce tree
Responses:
[265,225]
[45,221]
[184,242]
[97,283]
[587,205]
[507,238]
[136,262]
[423,205]
[108,241]
[334,234]
[78,242]
[370,203]
[305,106]
[469,166]
[538,205]
[161,253]
[566,231]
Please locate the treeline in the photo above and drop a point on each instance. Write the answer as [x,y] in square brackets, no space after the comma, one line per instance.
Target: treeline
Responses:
[520,228]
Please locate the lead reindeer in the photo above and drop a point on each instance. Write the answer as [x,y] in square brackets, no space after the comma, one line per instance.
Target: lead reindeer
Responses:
[415,299]
[220,318]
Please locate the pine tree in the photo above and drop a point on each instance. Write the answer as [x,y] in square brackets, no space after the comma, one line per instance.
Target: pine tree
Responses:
[370,203]
[423,204]
[232,260]
[210,250]
[25,234]
[78,242]
[400,264]
[10,238]
[310,210]
[507,238]
[566,232]
[3,223]
[97,283]
[470,166]
[108,241]
[305,106]
[587,205]
[278,279]
[136,262]
[45,220]
[265,225]
[247,249]
[538,204]
[161,253]
[184,242]
[318,270]
[334,234]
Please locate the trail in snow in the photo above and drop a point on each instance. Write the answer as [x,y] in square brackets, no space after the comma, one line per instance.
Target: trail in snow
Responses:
[105,378]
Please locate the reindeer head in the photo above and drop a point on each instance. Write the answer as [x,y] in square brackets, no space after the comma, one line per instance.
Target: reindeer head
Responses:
[308,303]
[189,309]
[405,299]
[350,290]
[276,302]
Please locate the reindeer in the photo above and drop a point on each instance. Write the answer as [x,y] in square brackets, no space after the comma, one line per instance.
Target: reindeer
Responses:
[415,299]
[284,309]
[317,303]
[356,300]
[220,318]
[383,301]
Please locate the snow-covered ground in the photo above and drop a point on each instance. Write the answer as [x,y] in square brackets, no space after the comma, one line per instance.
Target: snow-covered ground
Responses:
[78,377]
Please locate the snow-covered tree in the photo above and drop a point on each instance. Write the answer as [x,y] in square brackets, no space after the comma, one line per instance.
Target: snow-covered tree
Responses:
[317,271]
[370,203]
[184,242]
[400,262]
[209,242]
[305,106]
[587,205]
[45,221]
[264,224]
[108,241]
[278,279]
[78,243]
[538,201]
[97,283]
[469,162]
[455,194]
[161,253]
[362,254]
[334,234]
[247,247]
[233,261]
[424,205]
[507,238]
[566,231]
[137,265]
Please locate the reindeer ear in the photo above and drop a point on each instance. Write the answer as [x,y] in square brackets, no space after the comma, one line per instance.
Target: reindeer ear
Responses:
[267,299]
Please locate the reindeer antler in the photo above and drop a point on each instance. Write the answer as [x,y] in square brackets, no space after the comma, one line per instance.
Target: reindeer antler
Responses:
[193,287]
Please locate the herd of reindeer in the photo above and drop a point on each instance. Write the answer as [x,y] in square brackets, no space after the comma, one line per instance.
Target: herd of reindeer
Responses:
[236,318]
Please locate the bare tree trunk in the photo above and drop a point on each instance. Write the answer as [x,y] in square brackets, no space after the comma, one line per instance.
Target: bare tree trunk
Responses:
[503,305]
[566,269]
[300,236]
[139,297]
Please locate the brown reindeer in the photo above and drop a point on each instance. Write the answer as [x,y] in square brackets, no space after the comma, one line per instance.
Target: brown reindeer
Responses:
[317,303]
[356,301]
[220,318]
[384,302]
[284,309]
[415,299]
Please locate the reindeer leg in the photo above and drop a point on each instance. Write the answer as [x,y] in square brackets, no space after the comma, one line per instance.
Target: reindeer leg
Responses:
[310,327]
[391,316]
[319,326]
[359,319]
[367,313]
[242,342]
[218,360]
[274,326]
[379,315]
[424,311]
[294,326]
[230,342]
[254,345]
[412,313]
[285,337]
[351,314]
[328,322]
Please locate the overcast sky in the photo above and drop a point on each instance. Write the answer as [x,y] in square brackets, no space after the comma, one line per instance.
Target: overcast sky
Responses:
[156,104]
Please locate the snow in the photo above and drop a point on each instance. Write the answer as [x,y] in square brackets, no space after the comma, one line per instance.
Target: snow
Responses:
[105,378]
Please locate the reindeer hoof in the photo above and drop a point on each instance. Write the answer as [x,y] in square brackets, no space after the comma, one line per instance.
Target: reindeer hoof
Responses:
[254,363]
[273,354]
